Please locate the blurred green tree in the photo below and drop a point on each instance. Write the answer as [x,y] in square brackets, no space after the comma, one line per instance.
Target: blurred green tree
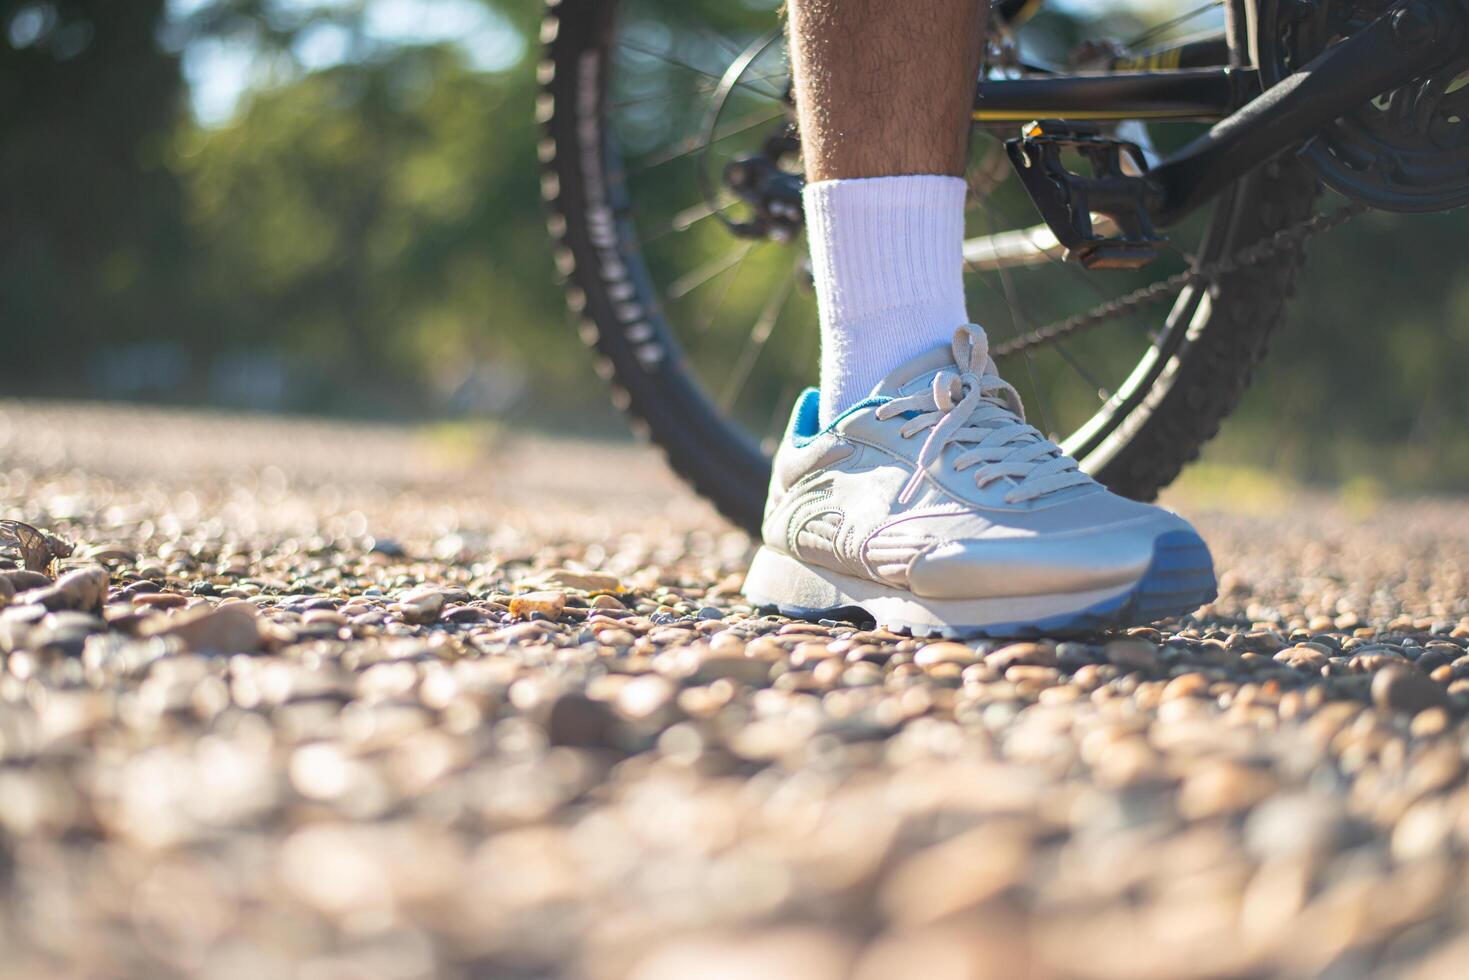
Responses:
[91,218]
[380,220]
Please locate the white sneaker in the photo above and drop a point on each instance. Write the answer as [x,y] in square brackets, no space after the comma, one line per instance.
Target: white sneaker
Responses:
[982,527]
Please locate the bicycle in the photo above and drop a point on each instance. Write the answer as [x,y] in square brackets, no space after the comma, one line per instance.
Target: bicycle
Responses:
[1182,167]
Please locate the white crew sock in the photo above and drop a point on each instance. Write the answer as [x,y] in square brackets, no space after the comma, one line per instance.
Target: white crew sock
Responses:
[887,256]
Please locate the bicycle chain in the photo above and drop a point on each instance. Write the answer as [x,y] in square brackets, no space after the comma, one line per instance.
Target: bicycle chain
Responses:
[1139,299]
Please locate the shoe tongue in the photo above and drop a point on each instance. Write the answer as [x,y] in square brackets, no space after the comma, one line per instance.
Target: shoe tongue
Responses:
[915,374]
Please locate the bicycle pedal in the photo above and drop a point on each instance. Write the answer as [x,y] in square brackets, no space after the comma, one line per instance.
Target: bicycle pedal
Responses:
[1067,200]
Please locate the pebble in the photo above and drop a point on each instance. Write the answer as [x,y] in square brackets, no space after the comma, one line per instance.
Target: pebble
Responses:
[82,589]
[1402,689]
[467,614]
[945,653]
[65,632]
[740,670]
[1073,655]
[1028,654]
[568,578]
[420,605]
[1188,685]
[1132,654]
[229,628]
[159,600]
[577,720]
[17,623]
[645,697]
[1217,788]
[548,604]
[22,580]
[727,643]
[1303,656]
[1297,824]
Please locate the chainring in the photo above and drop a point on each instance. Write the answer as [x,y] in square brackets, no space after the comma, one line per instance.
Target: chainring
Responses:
[1408,149]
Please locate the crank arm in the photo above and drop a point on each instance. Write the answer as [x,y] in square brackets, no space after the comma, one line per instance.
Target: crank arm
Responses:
[1409,41]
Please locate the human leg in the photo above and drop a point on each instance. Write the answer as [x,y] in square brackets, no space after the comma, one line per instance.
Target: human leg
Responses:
[883,94]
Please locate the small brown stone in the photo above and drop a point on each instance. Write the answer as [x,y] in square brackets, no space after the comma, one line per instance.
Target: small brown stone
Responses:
[161,600]
[803,629]
[1132,654]
[570,578]
[741,670]
[1403,689]
[1430,722]
[82,589]
[577,720]
[1186,686]
[22,580]
[230,628]
[1023,654]
[1220,788]
[644,697]
[329,617]
[548,604]
[1303,656]
[945,653]
[1032,675]
[420,605]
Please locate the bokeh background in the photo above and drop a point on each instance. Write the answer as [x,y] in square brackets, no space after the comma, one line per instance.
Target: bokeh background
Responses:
[331,207]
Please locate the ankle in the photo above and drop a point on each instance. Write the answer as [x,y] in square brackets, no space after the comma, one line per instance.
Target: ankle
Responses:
[887,260]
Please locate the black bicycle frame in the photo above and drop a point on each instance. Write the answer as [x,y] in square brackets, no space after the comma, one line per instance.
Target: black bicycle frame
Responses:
[1194,94]
[1412,39]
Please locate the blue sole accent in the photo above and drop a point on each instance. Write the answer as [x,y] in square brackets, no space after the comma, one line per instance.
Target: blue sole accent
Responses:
[1178,580]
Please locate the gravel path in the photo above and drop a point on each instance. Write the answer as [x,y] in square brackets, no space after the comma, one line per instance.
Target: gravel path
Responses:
[325,701]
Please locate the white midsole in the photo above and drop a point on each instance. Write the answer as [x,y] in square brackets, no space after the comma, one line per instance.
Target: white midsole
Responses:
[780,580]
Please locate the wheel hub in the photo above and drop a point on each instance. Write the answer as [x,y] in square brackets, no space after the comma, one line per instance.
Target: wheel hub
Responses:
[773,194]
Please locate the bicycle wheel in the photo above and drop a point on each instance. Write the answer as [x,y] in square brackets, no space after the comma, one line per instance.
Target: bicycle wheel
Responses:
[707,334]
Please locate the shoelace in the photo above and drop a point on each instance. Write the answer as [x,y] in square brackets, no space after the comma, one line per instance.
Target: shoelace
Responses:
[973,406]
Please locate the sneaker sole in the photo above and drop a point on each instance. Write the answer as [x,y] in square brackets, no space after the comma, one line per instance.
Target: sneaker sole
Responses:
[1178,580]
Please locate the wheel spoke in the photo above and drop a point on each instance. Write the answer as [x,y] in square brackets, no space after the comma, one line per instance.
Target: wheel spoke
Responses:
[688,217]
[702,88]
[695,143]
[1019,321]
[1103,393]
[690,281]
[759,337]
[1160,29]
[732,47]
[706,318]
[678,63]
